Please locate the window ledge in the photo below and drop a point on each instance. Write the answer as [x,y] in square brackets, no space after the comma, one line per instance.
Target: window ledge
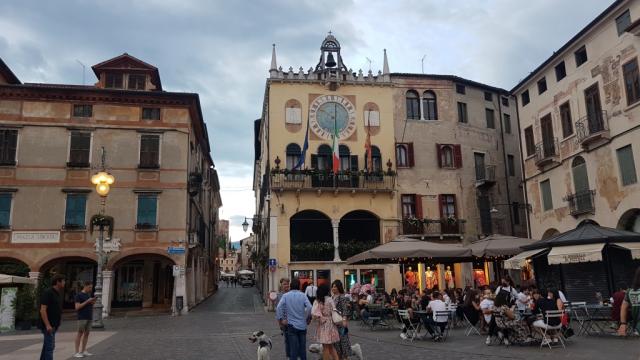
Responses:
[6,228]
[74,228]
[632,106]
[75,166]
[145,228]
[149,168]
[422,121]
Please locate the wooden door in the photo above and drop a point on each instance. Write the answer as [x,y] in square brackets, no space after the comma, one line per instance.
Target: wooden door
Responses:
[594,109]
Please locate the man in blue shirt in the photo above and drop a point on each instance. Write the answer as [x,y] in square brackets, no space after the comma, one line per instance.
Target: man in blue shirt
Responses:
[293,311]
[84,306]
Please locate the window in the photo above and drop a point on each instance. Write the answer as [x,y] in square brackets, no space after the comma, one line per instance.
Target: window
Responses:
[149,151]
[293,156]
[413,105]
[404,155]
[462,113]
[623,21]
[8,146]
[525,97]
[490,118]
[511,165]
[374,277]
[505,101]
[581,56]
[481,169]
[376,158]
[446,156]
[75,214]
[79,149]
[460,89]
[5,210]
[408,206]
[488,96]
[345,158]
[561,71]
[545,190]
[542,85]
[82,110]
[516,213]
[631,81]
[449,156]
[529,141]
[147,211]
[113,81]
[429,106]
[565,118]
[627,165]
[136,82]
[507,123]
[150,113]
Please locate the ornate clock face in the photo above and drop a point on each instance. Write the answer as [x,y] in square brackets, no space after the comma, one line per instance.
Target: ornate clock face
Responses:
[330,112]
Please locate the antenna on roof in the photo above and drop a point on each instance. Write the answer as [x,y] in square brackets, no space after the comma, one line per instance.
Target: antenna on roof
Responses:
[83,70]
[422,61]
[369,61]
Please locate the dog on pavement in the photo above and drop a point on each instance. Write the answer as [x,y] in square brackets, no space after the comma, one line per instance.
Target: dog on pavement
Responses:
[355,349]
[264,344]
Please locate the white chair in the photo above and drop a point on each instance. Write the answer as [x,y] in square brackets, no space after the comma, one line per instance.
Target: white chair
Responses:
[470,327]
[550,331]
[412,327]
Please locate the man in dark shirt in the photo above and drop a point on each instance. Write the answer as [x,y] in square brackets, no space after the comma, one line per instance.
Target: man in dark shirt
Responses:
[84,306]
[50,315]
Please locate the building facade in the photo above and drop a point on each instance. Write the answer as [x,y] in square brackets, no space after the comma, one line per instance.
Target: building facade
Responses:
[579,127]
[164,201]
[457,157]
[247,247]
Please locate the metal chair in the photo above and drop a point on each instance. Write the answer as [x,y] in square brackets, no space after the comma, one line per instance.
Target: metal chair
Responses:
[579,313]
[548,331]
[439,315]
[412,327]
[470,327]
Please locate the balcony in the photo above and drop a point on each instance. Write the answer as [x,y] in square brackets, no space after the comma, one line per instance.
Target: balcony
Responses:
[592,128]
[485,176]
[312,251]
[547,152]
[434,227]
[284,180]
[581,203]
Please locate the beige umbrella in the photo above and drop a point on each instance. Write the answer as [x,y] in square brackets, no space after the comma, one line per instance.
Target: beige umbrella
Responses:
[499,245]
[410,248]
[10,279]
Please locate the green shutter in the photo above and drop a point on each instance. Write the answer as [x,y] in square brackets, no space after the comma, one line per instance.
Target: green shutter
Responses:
[76,206]
[5,210]
[545,190]
[147,207]
[627,165]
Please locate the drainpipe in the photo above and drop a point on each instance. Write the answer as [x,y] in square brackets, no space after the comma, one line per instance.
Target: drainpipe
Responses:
[522,174]
[504,159]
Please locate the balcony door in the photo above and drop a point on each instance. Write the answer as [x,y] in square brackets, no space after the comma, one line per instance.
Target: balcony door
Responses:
[481,169]
[546,127]
[581,184]
[594,109]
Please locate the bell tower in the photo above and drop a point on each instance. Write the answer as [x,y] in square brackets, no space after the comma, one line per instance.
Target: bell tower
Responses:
[328,69]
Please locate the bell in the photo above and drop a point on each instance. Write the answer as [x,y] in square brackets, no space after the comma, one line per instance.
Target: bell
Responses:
[330,61]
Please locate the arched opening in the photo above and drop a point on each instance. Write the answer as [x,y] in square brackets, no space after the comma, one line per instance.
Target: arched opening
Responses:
[429,105]
[143,280]
[549,233]
[413,105]
[446,156]
[376,159]
[581,202]
[630,221]
[293,154]
[359,230]
[345,157]
[15,267]
[402,155]
[76,269]
[311,235]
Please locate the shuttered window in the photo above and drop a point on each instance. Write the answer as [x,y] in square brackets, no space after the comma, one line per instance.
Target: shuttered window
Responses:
[491,120]
[8,145]
[75,212]
[408,206]
[565,118]
[404,155]
[449,156]
[5,210]
[529,141]
[147,210]
[462,113]
[507,123]
[149,151]
[545,191]
[511,165]
[627,165]
[79,149]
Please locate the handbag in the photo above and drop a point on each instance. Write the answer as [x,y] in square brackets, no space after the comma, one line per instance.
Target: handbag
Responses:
[336,317]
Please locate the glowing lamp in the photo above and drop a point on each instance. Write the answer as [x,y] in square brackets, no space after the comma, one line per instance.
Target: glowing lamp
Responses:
[103,181]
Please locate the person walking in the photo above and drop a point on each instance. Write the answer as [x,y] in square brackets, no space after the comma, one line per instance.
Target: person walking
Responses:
[327,331]
[343,347]
[84,307]
[283,289]
[293,311]
[631,306]
[310,292]
[51,315]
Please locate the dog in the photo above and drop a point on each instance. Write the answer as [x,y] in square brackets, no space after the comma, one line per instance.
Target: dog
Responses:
[264,344]
[355,349]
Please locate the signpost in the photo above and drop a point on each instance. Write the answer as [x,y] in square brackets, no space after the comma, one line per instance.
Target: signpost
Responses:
[176,250]
[273,262]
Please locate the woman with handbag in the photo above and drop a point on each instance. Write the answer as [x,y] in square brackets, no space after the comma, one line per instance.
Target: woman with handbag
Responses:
[327,331]
[340,315]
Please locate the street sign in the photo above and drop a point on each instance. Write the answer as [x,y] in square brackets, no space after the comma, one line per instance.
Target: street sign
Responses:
[272,268]
[176,250]
[273,262]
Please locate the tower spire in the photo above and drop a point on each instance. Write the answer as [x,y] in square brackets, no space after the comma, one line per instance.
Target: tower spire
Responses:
[274,64]
[385,66]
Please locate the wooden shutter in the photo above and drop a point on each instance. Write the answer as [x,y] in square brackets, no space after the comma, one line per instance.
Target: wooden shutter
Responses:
[80,148]
[439,155]
[149,150]
[457,156]
[410,156]
[418,203]
[440,207]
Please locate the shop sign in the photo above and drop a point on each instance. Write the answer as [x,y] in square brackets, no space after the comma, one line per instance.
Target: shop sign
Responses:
[35,237]
[109,245]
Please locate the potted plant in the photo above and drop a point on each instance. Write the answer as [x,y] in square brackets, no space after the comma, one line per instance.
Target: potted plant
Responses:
[25,305]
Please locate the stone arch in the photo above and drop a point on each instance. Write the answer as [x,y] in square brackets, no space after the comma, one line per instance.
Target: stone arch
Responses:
[630,220]
[14,256]
[47,260]
[141,252]
[14,265]
[359,230]
[549,233]
[76,266]
[311,236]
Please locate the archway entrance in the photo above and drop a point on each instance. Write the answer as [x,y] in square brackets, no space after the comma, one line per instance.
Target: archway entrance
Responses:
[15,267]
[76,270]
[630,221]
[359,231]
[311,236]
[549,233]
[143,280]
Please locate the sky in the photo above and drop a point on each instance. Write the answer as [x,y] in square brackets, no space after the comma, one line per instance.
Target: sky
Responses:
[222,50]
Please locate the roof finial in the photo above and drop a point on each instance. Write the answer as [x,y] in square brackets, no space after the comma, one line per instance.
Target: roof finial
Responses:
[274,65]
[330,32]
[385,65]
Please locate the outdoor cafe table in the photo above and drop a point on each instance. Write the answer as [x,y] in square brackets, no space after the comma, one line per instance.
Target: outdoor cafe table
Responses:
[599,316]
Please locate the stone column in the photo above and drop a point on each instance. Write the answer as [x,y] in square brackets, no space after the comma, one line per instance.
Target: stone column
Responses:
[35,275]
[336,240]
[107,292]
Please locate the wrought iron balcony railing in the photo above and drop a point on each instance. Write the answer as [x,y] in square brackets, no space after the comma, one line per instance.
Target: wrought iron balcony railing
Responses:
[581,202]
[486,175]
[547,151]
[433,227]
[592,127]
[294,180]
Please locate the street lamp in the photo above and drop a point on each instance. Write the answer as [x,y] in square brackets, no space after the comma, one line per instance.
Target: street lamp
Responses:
[518,206]
[245,224]
[103,181]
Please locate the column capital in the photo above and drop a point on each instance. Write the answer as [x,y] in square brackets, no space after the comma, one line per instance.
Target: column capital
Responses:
[34,275]
[107,273]
[335,223]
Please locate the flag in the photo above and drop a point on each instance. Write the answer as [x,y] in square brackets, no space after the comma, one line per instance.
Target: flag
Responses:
[305,146]
[336,151]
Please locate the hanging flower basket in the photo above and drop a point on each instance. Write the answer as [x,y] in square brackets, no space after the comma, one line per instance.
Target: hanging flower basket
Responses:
[102,221]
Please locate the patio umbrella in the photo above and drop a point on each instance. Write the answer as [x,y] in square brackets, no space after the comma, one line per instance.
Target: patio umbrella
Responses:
[10,279]
[410,248]
[587,233]
[499,245]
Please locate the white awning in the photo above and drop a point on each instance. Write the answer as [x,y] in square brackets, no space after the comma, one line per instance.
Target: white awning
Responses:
[517,262]
[575,254]
[10,279]
[634,247]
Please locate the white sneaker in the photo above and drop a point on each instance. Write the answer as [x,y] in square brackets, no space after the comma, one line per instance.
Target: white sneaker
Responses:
[86,353]
[488,341]
[546,342]
[78,355]
[506,342]
[403,336]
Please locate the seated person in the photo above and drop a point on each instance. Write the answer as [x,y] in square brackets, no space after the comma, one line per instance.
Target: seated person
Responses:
[551,303]
[618,298]
[508,323]
[407,323]
[471,307]
[486,306]
[439,321]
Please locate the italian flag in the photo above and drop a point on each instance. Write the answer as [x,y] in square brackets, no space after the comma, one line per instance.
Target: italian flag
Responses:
[336,153]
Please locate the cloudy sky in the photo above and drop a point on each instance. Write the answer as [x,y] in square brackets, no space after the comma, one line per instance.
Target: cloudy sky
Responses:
[221,50]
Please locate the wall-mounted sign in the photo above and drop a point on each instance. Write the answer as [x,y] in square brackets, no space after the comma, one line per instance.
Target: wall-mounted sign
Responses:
[176,250]
[109,245]
[35,237]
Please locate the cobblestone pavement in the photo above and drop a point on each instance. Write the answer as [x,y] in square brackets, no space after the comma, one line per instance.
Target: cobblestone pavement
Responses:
[219,329]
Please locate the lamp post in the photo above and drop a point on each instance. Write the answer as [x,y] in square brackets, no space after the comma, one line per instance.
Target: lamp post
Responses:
[103,181]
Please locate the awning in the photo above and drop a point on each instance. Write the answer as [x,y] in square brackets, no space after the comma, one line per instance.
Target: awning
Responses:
[517,262]
[411,250]
[575,254]
[10,279]
[633,246]
[499,245]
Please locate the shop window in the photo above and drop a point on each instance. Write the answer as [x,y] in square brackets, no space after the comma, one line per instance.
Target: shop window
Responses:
[375,277]
[350,279]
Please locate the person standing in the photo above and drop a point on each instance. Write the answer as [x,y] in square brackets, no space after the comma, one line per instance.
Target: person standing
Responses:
[293,311]
[631,305]
[310,292]
[284,288]
[326,332]
[51,315]
[84,307]
[343,347]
